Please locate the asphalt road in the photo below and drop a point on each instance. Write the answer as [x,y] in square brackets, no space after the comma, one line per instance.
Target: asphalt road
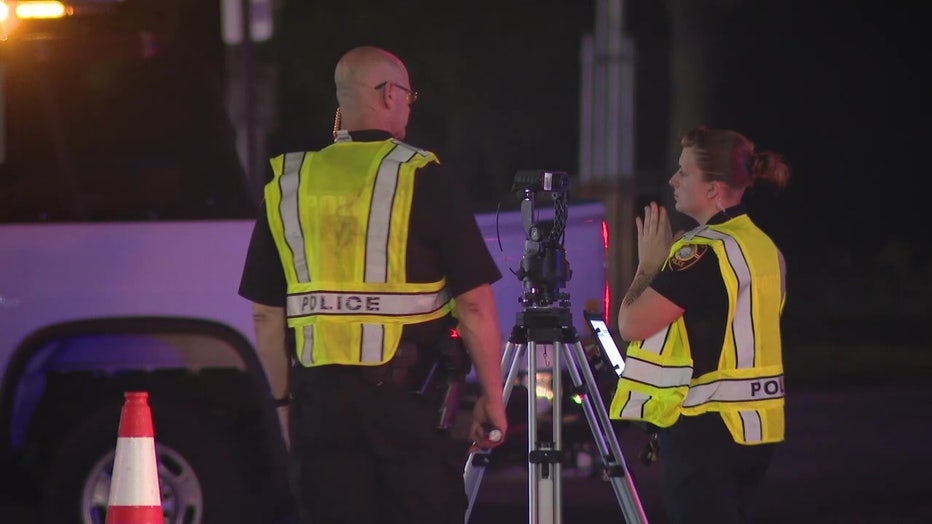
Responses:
[853,455]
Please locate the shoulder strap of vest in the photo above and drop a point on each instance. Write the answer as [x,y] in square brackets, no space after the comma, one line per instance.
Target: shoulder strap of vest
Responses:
[428,155]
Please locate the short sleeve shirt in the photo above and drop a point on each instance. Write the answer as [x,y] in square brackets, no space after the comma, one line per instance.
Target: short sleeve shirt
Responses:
[693,281]
[444,242]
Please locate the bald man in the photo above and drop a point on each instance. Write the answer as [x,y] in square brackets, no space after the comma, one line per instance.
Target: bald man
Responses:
[364,258]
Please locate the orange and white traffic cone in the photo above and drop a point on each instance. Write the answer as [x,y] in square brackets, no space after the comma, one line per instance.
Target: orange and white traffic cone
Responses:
[134,486]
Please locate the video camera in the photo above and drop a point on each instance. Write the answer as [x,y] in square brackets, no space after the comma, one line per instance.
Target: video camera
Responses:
[544,268]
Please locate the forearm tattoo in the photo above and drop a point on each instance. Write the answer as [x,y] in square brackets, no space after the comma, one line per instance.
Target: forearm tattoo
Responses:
[642,280]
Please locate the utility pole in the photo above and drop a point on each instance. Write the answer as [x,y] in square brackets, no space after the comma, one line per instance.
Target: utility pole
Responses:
[250,85]
[607,138]
[694,77]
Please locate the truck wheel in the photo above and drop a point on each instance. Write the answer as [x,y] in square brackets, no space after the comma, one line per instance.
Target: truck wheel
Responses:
[199,480]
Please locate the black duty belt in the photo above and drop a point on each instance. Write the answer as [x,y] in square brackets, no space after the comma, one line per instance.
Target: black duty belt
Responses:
[397,371]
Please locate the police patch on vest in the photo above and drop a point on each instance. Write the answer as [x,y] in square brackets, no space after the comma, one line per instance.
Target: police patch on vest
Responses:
[687,256]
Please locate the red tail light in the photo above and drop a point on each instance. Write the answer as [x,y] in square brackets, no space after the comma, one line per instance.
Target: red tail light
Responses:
[607,290]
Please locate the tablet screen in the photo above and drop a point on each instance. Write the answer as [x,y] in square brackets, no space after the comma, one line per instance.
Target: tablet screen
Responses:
[609,348]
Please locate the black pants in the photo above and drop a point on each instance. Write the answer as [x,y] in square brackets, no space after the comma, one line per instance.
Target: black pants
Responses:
[707,476]
[370,454]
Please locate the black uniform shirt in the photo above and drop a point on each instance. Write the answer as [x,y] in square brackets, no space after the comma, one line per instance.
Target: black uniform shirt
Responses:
[696,285]
[444,241]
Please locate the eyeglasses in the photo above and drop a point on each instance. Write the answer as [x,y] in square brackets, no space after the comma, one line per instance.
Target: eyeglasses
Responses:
[410,96]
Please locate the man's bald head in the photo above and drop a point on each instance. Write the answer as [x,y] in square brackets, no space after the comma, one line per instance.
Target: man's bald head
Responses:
[356,76]
[368,66]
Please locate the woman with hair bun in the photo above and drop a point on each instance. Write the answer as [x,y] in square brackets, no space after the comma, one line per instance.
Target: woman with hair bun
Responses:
[704,367]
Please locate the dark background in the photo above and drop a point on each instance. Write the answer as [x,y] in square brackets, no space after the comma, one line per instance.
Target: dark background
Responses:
[833,86]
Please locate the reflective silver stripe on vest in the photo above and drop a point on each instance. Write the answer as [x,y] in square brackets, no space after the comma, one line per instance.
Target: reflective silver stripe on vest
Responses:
[380,214]
[655,342]
[291,224]
[634,407]
[742,326]
[373,342]
[288,209]
[352,303]
[655,375]
[307,350]
[377,235]
[735,390]
[752,426]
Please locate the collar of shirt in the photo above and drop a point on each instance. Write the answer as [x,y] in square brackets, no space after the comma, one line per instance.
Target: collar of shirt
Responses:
[369,135]
[727,214]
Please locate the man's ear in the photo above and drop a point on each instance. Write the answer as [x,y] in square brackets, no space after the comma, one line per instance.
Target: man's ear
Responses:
[383,96]
[390,93]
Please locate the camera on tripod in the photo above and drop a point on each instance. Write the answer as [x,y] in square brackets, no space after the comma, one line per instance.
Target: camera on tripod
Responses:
[544,272]
[544,269]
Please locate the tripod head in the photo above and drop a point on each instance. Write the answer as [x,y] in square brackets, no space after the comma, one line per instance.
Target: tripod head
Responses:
[544,269]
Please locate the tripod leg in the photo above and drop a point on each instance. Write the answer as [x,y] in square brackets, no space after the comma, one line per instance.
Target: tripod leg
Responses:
[604,435]
[540,476]
[556,502]
[545,458]
[479,459]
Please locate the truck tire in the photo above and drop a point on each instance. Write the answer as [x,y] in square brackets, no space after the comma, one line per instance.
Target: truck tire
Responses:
[201,473]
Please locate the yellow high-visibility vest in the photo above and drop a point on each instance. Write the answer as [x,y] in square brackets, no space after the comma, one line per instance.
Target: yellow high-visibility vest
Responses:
[747,389]
[339,217]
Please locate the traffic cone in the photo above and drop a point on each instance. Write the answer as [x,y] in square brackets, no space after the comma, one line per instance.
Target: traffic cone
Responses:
[134,486]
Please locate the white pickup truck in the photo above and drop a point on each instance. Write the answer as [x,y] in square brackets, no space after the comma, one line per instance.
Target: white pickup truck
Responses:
[124,223]
[90,310]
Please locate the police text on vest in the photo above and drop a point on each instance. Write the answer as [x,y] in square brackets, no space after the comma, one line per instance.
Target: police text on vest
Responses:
[768,387]
[338,303]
